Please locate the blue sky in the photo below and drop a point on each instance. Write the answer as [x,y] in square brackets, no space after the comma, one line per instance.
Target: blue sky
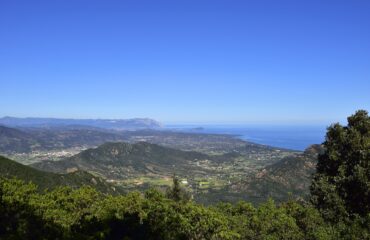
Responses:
[288,62]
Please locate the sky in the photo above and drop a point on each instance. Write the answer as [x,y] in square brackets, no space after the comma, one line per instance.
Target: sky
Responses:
[285,62]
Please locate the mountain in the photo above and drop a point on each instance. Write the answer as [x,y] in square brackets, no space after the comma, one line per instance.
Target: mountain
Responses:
[135,123]
[210,178]
[142,165]
[287,178]
[292,174]
[48,180]
[122,160]
[14,140]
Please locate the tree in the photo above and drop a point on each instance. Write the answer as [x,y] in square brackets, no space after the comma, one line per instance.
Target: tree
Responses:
[177,192]
[18,219]
[341,185]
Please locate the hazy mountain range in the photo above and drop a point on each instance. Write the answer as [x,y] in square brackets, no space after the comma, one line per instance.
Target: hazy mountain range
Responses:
[135,123]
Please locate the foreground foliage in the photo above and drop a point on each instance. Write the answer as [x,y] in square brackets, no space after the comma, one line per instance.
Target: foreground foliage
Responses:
[84,213]
[49,180]
[341,186]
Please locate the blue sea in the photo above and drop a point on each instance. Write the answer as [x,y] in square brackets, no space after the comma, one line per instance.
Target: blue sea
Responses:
[289,137]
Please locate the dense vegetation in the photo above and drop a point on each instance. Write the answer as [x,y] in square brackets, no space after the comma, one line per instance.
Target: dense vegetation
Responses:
[87,214]
[340,208]
[48,180]
[341,187]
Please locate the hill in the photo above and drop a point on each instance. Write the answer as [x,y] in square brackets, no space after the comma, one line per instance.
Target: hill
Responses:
[287,178]
[48,180]
[122,160]
[292,174]
[14,140]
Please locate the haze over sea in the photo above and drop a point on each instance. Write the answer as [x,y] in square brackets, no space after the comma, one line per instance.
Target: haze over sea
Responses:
[289,137]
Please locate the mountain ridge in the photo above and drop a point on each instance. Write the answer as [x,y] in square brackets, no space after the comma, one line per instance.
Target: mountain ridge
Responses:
[48,180]
[120,159]
[292,174]
[134,123]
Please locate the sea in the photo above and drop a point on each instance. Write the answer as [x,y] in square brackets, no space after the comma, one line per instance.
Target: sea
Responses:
[288,137]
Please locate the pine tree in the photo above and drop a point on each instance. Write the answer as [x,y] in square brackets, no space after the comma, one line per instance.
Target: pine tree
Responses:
[177,192]
[341,186]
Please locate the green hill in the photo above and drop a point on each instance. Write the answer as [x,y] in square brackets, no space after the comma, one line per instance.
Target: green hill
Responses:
[47,180]
[290,177]
[292,174]
[121,160]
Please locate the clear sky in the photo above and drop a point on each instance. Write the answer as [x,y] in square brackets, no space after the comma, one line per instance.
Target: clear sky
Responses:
[185,61]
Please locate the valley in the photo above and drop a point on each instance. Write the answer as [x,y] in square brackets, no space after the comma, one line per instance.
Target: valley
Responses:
[39,156]
[143,165]
[212,167]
